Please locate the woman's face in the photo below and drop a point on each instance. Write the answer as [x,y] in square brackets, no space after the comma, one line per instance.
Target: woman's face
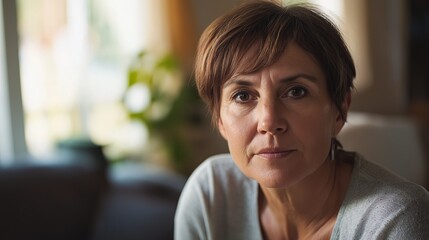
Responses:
[279,121]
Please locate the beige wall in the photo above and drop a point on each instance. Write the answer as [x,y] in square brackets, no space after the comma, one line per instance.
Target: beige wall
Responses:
[207,10]
[385,75]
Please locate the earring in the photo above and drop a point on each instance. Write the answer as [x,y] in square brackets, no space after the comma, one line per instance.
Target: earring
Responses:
[333,148]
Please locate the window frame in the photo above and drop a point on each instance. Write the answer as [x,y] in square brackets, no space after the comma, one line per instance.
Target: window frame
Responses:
[12,130]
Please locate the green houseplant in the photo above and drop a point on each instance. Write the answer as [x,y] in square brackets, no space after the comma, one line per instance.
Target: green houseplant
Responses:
[158,98]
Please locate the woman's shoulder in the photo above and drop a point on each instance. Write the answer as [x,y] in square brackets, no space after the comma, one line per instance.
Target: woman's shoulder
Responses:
[374,188]
[219,164]
[372,181]
[217,183]
[223,161]
[216,201]
[219,171]
[370,175]
[380,204]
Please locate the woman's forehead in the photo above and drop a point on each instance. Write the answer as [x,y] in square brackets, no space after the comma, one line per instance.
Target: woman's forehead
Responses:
[253,60]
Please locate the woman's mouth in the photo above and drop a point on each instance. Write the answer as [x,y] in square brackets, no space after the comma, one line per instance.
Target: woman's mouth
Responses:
[273,153]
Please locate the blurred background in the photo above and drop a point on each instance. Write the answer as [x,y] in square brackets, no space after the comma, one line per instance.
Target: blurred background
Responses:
[113,79]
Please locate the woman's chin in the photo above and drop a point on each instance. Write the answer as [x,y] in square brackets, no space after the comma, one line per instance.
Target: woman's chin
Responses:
[276,180]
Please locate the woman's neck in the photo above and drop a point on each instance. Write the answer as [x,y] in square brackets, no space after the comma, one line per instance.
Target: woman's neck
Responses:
[308,208]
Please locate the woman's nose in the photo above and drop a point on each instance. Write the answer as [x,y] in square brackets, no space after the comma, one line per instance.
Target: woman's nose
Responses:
[270,119]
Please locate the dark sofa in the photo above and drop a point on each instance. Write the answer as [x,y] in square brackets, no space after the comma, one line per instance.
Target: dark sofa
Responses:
[71,200]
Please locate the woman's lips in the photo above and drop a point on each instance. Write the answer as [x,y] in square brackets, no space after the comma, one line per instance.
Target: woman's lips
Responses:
[274,153]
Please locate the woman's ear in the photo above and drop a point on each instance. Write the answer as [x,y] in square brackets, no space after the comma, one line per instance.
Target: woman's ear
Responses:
[221,128]
[347,102]
[339,121]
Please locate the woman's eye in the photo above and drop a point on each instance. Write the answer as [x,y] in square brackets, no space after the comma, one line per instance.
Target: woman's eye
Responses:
[297,92]
[242,97]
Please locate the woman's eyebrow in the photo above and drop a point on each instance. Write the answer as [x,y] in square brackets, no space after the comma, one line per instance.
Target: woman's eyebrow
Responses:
[299,75]
[237,81]
[242,82]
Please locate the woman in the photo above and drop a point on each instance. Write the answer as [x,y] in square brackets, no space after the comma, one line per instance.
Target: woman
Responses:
[277,81]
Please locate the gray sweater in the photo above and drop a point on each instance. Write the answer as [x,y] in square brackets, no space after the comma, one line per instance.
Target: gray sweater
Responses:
[219,202]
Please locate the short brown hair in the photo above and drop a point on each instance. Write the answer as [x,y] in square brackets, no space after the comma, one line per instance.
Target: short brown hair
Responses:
[269,27]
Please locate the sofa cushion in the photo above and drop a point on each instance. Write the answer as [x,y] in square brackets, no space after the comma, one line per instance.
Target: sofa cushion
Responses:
[48,202]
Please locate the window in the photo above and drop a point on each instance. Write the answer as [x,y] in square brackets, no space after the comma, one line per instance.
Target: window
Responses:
[74,57]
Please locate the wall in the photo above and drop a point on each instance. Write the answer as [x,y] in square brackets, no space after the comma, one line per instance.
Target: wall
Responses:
[207,10]
[386,91]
